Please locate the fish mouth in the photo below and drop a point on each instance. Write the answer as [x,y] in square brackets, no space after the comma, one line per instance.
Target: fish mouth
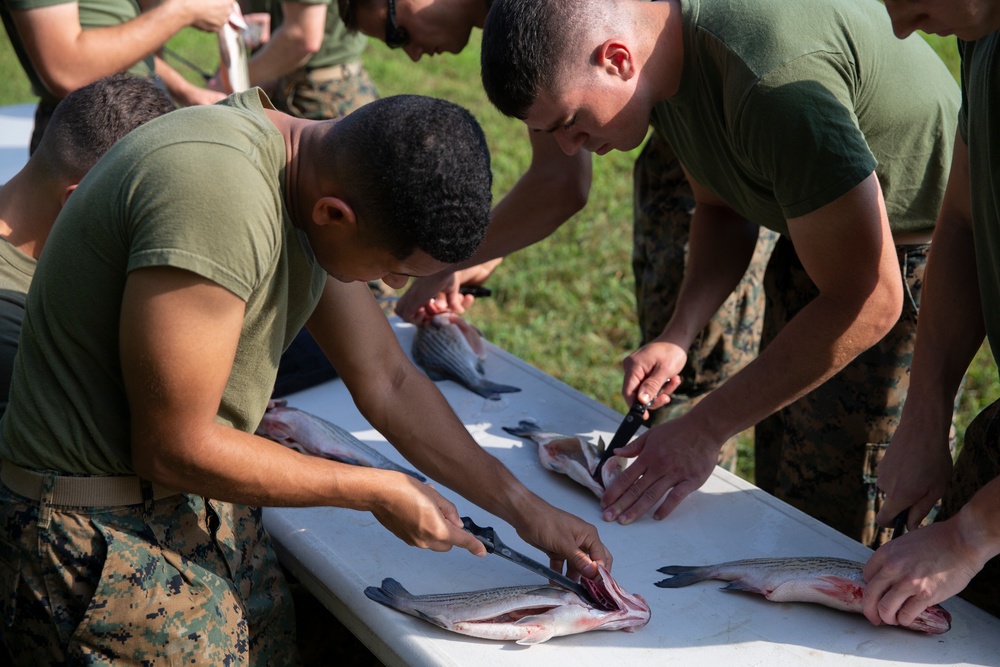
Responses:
[608,596]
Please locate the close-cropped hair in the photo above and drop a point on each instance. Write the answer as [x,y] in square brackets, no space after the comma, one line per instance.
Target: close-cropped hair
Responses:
[349,11]
[524,45]
[418,173]
[91,119]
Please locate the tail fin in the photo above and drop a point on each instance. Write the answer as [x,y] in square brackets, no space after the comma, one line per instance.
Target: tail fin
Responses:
[524,428]
[683,575]
[390,594]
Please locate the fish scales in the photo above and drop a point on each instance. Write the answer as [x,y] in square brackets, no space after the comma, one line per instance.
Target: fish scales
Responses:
[833,582]
[525,614]
[314,435]
[448,348]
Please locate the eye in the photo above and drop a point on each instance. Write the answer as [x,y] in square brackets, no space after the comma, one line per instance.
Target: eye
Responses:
[570,123]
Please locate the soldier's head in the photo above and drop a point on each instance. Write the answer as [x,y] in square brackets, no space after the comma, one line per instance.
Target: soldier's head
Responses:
[419,27]
[409,193]
[91,119]
[967,19]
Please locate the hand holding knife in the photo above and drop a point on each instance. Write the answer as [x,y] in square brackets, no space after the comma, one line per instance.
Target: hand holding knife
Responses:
[628,427]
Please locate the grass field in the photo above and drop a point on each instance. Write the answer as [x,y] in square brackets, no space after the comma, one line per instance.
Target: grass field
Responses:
[565,305]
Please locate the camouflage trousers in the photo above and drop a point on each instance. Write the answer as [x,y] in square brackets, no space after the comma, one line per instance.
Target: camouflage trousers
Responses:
[328,92]
[820,453]
[978,464]
[663,205]
[182,580]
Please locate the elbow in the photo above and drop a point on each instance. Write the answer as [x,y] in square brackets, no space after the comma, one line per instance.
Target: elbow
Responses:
[570,190]
[883,310]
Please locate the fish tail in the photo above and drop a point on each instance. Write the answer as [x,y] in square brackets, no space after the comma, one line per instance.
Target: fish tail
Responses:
[391,593]
[492,390]
[683,575]
[524,429]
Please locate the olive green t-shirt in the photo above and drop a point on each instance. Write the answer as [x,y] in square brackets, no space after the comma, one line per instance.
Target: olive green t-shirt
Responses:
[16,270]
[339,44]
[199,189]
[93,14]
[978,123]
[784,107]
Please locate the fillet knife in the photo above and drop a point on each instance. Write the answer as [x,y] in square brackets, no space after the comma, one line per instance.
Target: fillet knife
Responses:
[493,545]
[631,424]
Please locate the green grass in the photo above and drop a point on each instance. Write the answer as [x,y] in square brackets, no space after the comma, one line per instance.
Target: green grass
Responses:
[565,305]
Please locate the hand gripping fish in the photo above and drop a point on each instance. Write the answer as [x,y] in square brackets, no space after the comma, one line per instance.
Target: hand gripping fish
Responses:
[235,69]
[525,614]
[571,456]
[310,434]
[449,348]
[832,582]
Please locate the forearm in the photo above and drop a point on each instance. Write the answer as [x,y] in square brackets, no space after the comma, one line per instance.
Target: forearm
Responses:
[978,523]
[282,55]
[68,57]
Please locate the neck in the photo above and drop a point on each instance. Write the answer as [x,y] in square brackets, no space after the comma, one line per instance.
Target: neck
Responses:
[664,61]
[29,204]
[295,132]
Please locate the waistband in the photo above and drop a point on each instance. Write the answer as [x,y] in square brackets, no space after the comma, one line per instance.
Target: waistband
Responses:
[84,491]
[919,237]
[336,72]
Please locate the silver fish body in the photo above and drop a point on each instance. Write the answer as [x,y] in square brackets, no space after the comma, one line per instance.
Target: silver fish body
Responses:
[525,614]
[310,434]
[570,456]
[449,348]
[832,582]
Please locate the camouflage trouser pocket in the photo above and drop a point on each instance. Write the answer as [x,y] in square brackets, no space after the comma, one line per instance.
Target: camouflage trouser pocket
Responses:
[10,577]
[871,535]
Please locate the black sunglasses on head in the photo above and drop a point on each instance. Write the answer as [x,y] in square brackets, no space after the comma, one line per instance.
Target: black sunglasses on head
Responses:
[395,35]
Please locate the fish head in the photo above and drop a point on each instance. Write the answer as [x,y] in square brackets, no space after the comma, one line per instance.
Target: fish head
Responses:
[934,620]
[625,611]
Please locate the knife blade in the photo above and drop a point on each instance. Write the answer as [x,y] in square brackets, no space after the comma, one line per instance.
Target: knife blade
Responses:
[493,545]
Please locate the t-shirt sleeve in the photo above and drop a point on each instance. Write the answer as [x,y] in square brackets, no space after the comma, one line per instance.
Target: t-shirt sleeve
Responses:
[797,128]
[208,210]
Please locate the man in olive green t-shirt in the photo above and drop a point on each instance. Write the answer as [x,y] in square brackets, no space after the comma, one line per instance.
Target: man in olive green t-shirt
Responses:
[793,115]
[65,44]
[131,462]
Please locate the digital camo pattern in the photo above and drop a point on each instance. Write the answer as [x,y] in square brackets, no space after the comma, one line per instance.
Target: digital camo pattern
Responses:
[820,453]
[306,95]
[977,465]
[663,205]
[182,581]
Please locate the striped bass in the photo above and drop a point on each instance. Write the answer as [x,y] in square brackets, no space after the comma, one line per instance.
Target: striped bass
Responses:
[525,614]
[310,434]
[571,456]
[832,582]
[449,348]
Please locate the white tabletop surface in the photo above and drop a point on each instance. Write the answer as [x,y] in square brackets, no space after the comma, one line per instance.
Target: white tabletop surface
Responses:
[337,553]
[16,122]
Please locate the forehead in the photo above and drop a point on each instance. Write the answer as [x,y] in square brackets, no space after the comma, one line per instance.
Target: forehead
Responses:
[551,110]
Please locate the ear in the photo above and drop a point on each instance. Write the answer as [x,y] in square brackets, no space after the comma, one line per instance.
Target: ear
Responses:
[66,193]
[615,58]
[333,211]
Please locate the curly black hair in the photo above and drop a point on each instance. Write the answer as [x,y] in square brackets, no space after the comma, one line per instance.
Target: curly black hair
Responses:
[418,170]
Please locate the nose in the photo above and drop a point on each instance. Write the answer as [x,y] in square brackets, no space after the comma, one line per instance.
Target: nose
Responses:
[904,21]
[570,144]
[395,280]
[414,52]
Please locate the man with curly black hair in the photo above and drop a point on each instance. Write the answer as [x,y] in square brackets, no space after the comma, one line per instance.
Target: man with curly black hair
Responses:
[176,274]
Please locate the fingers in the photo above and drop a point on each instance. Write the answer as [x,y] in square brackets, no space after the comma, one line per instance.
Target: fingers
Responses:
[466,540]
[644,493]
[674,498]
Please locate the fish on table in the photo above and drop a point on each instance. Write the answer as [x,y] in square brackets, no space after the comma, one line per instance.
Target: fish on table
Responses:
[449,348]
[571,456]
[313,435]
[832,582]
[525,614]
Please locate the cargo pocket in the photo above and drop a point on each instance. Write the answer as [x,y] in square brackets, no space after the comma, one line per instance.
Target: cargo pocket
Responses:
[10,578]
[871,534]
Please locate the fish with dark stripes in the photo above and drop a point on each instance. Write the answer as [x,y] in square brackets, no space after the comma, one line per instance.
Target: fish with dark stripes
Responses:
[832,582]
[449,348]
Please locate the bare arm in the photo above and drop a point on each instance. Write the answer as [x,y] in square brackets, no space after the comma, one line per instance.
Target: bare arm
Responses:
[950,329]
[846,248]
[179,334]
[549,193]
[68,57]
[299,36]
[181,90]
[389,393]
